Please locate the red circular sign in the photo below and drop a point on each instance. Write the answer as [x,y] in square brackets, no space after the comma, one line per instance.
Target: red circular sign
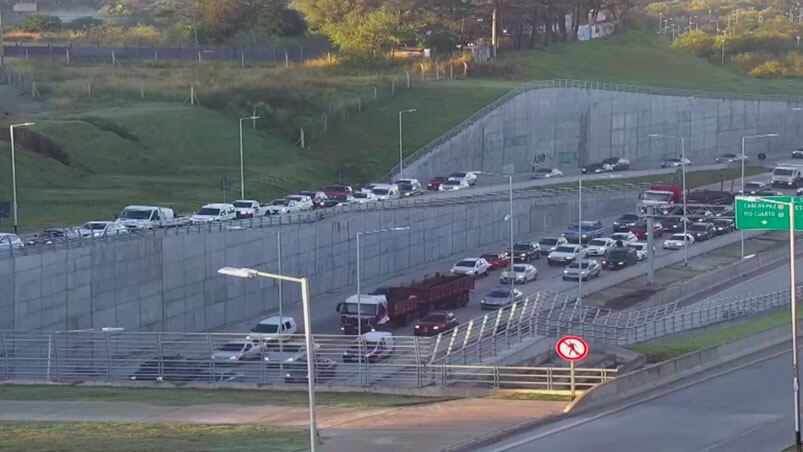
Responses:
[572,348]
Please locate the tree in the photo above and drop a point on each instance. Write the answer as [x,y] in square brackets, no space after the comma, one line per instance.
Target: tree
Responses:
[364,36]
[40,22]
[696,42]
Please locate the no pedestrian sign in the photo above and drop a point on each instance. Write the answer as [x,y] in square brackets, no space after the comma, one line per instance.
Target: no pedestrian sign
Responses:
[572,348]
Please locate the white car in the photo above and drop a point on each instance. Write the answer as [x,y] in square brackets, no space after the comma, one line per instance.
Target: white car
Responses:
[9,241]
[362,198]
[282,207]
[584,269]
[676,242]
[550,244]
[475,266]
[566,254]
[273,329]
[453,185]
[675,163]
[210,213]
[641,249]
[386,191]
[102,229]
[369,188]
[247,208]
[469,177]
[624,237]
[303,202]
[600,247]
[547,173]
[521,274]
[239,351]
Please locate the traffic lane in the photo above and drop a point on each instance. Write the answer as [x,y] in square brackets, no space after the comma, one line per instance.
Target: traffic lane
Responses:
[740,410]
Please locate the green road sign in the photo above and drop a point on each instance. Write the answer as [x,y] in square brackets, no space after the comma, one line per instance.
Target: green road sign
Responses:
[760,213]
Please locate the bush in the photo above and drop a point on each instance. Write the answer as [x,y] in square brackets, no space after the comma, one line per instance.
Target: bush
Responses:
[40,23]
[748,61]
[83,23]
[772,68]
[696,42]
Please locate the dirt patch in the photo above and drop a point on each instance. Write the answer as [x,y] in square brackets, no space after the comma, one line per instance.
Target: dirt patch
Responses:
[37,143]
[630,299]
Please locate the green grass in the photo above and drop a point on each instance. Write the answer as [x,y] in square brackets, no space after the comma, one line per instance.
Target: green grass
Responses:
[106,436]
[188,396]
[663,349]
[180,153]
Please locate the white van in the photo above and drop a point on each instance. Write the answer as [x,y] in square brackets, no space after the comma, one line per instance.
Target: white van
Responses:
[147,217]
[386,191]
[274,329]
[210,213]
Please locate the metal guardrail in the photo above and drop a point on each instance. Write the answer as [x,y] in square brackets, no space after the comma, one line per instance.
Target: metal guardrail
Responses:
[180,358]
[313,216]
[580,84]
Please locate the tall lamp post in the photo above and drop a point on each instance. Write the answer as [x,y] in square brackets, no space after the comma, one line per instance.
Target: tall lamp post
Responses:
[14,172]
[359,270]
[683,172]
[508,218]
[242,164]
[251,274]
[749,137]
[401,140]
[793,300]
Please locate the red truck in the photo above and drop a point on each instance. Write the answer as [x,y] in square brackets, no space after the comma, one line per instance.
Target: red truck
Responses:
[404,304]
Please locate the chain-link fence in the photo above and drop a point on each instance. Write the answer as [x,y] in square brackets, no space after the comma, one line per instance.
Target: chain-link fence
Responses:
[180,358]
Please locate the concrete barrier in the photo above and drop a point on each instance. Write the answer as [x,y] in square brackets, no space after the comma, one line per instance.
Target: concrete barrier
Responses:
[662,374]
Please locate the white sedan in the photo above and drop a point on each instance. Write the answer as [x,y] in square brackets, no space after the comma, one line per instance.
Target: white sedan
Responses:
[676,242]
[547,173]
[8,241]
[363,198]
[521,274]
[641,249]
[600,247]
[566,254]
[475,266]
[102,229]
[453,185]
[468,176]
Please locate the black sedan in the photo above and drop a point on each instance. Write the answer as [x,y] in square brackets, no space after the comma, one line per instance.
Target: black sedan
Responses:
[596,168]
[325,369]
[626,222]
[619,258]
[617,163]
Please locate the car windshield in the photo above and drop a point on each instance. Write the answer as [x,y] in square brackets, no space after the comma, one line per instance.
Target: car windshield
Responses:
[576,265]
[381,191]
[243,204]
[97,226]
[457,175]
[678,237]
[233,347]
[655,196]
[698,227]
[548,242]
[452,182]
[295,198]
[620,236]
[335,189]
[405,187]
[311,194]
[519,268]
[611,160]
[365,309]
[617,254]
[131,214]
[361,195]
[208,211]
[636,247]
[434,317]
[265,328]
[597,242]
[722,223]
[783,172]
[521,247]
[565,249]
[280,202]
[629,218]
[466,263]
[753,185]
[728,156]
[499,293]
[544,171]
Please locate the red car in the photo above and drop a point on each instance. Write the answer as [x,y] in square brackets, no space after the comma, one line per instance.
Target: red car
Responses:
[435,323]
[640,231]
[339,192]
[435,184]
[497,260]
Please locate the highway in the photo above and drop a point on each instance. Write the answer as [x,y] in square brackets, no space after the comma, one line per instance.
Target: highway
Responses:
[746,410]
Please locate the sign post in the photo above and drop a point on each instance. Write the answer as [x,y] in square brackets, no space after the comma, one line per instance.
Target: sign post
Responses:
[778,213]
[572,349]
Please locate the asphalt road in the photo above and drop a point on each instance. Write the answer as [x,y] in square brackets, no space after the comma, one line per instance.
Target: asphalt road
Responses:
[746,410]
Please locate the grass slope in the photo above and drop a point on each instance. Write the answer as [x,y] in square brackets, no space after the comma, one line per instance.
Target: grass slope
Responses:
[184,151]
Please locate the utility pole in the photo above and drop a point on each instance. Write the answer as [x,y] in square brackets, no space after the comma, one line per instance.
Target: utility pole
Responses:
[493,33]
[2,43]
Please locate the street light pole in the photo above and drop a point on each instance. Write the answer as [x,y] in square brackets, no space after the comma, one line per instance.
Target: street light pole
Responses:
[251,274]
[359,270]
[509,218]
[401,140]
[580,237]
[14,172]
[745,138]
[242,164]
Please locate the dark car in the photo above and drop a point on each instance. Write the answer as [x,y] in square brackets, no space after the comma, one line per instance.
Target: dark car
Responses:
[435,323]
[435,183]
[596,168]
[702,231]
[768,192]
[723,225]
[584,232]
[798,153]
[729,157]
[617,163]
[329,203]
[710,197]
[619,258]
[325,369]
[626,222]
[54,235]
[407,189]
[497,260]
[526,251]
[673,224]
[169,368]
[640,231]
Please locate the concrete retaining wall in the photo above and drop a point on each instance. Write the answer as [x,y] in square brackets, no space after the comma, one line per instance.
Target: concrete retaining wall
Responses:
[170,282]
[661,374]
[571,126]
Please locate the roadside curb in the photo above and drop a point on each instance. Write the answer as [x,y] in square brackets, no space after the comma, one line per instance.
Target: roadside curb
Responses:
[492,437]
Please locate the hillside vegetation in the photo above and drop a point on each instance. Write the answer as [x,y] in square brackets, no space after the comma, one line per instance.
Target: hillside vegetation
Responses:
[172,153]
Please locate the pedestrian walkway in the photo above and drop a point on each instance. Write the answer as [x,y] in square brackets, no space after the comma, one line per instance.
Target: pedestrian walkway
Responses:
[422,427]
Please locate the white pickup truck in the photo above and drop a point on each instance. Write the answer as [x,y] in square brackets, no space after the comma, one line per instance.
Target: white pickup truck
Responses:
[149,217]
[246,208]
[787,174]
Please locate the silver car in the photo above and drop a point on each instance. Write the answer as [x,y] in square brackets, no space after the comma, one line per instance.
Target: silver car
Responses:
[500,298]
[238,351]
[584,269]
